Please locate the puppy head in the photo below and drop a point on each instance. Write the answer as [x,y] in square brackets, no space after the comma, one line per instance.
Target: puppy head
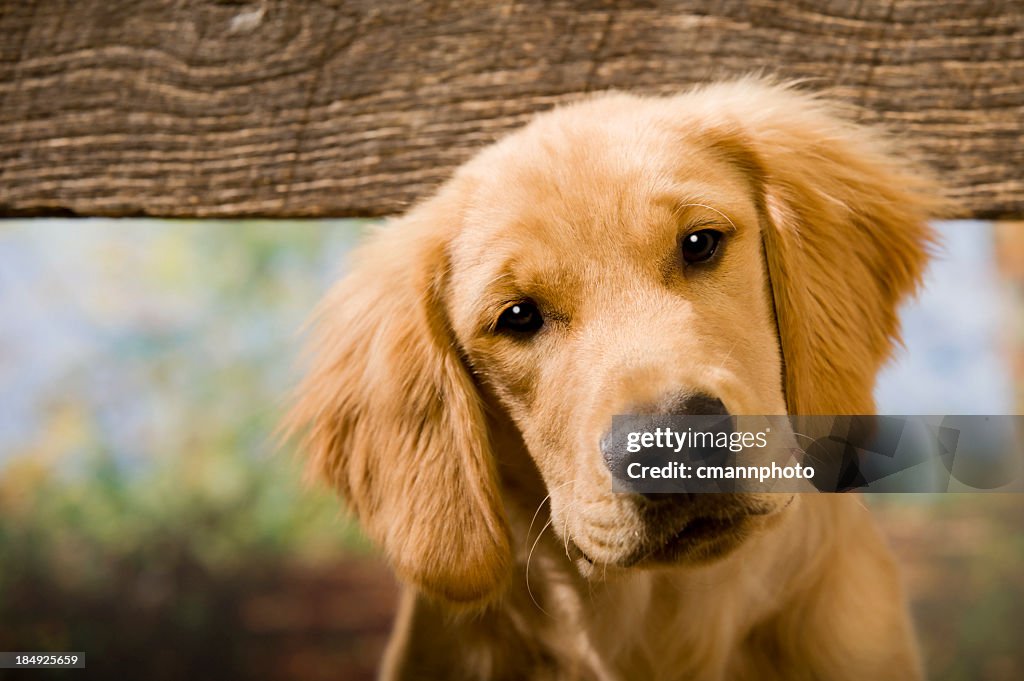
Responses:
[737,249]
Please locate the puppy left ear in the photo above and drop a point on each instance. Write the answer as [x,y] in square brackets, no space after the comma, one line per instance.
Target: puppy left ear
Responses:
[846,237]
[393,418]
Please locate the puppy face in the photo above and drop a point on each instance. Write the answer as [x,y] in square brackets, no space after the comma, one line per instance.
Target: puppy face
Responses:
[737,249]
[613,266]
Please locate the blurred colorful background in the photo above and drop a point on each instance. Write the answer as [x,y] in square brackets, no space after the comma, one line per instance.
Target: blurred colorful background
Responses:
[148,518]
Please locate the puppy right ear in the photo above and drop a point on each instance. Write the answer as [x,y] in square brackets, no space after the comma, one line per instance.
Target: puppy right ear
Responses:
[393,420]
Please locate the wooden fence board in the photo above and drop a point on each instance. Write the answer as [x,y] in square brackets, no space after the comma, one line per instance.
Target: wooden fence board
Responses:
[203,108]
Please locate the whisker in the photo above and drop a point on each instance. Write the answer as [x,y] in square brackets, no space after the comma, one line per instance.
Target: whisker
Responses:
[540,506]
[528,558]
[534,518]
[565,528]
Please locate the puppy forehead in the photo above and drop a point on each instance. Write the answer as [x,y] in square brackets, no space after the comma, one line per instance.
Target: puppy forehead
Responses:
[574,191]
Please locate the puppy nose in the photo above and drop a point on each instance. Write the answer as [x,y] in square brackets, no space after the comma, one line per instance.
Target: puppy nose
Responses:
[616,455]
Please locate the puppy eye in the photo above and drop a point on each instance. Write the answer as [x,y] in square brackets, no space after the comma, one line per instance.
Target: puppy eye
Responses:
[700,246]
[521,317]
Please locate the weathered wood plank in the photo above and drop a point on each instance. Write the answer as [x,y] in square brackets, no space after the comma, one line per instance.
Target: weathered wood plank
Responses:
[288,108]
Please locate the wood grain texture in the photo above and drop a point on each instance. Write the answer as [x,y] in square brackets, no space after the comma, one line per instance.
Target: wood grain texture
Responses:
[202,108]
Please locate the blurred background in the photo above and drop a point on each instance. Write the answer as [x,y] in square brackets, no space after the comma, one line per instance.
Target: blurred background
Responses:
[148,518]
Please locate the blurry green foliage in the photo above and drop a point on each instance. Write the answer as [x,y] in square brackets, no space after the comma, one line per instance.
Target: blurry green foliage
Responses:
[152,362]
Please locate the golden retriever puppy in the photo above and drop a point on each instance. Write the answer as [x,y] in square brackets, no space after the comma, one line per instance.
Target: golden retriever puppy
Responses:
[737,249]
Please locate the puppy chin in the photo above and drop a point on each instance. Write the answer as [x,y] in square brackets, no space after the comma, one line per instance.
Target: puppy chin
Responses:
[699,540]
[706,542]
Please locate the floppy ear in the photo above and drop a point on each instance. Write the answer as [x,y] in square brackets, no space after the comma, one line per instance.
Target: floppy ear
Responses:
[845,237]
[393,419]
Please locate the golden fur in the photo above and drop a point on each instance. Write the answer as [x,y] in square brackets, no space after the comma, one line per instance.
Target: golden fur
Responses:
[473,460]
